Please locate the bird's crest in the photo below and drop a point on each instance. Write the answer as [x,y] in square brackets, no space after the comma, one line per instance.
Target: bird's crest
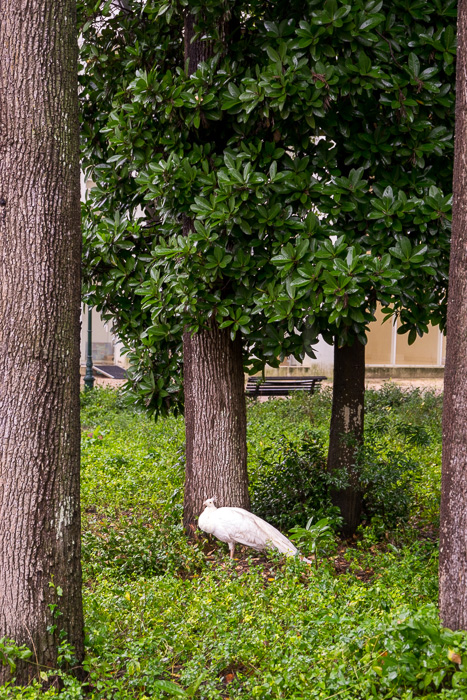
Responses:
[210,502]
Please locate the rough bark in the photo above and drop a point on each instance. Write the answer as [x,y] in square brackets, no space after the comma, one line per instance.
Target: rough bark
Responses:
[453,541]
[195,51]
[346,435]
[215,420]
[39,331]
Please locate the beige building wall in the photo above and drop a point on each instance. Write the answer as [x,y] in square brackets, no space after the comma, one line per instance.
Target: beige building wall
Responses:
[379,349]
[386,348]
[424,350]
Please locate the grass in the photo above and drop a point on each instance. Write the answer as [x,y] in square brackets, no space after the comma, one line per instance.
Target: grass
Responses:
[165,618]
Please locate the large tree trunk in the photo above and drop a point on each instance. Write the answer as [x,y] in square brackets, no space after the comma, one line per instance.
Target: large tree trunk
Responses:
[346,435]
[213,378]
[39,332]
[215,419]
[453,540]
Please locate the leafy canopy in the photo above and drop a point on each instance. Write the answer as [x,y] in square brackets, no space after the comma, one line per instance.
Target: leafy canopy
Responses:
[285,185]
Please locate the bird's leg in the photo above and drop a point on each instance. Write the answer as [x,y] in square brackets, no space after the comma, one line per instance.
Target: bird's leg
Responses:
[232,549]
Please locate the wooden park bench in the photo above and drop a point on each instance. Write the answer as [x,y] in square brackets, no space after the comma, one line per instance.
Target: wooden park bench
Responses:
[282,386]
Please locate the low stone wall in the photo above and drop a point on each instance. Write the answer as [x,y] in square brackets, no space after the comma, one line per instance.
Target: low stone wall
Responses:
[404,372]
[371,372]
[297,371]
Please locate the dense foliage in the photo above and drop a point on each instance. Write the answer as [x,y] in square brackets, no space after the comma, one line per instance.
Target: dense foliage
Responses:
[340,108]
[291,481]
[169,619]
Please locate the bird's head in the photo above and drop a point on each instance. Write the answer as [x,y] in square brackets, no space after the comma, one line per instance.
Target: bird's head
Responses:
[209,503]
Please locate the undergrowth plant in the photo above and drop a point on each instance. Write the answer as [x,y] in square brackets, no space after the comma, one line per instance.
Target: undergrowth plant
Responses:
[315,537]
[291,482]
[388,475]
[167,618]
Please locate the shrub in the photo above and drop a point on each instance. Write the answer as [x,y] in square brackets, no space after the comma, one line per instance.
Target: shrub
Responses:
[412,413]
[389,395]
[317,538]
[137,544]
[102,400]
[416,654]
[387,476]
[293,484]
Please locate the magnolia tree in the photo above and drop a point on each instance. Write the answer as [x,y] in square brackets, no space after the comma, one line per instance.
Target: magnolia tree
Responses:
[264,173]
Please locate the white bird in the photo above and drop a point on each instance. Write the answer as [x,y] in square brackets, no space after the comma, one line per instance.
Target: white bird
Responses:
[234,525]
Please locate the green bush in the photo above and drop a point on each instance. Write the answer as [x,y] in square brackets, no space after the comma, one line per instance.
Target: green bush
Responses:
[413,412]
[415,657]
[133,545]
[101,401]
[389,395]
[388,476]
[292,483]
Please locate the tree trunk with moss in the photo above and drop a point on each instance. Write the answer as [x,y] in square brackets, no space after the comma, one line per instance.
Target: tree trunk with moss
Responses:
[40,571]
[453,525]
[346,435]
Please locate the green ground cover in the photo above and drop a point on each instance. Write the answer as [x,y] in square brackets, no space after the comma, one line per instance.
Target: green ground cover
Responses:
[166,618]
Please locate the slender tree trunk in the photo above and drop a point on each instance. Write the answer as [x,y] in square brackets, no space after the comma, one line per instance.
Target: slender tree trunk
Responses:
[215,419]
[453,541]
[39,332]
[346,436]
[195,51]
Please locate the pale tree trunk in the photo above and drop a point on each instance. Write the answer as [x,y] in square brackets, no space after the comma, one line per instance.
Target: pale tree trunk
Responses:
[213,378]
[39,331]
[215,419]
[346,434]
[453,534]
